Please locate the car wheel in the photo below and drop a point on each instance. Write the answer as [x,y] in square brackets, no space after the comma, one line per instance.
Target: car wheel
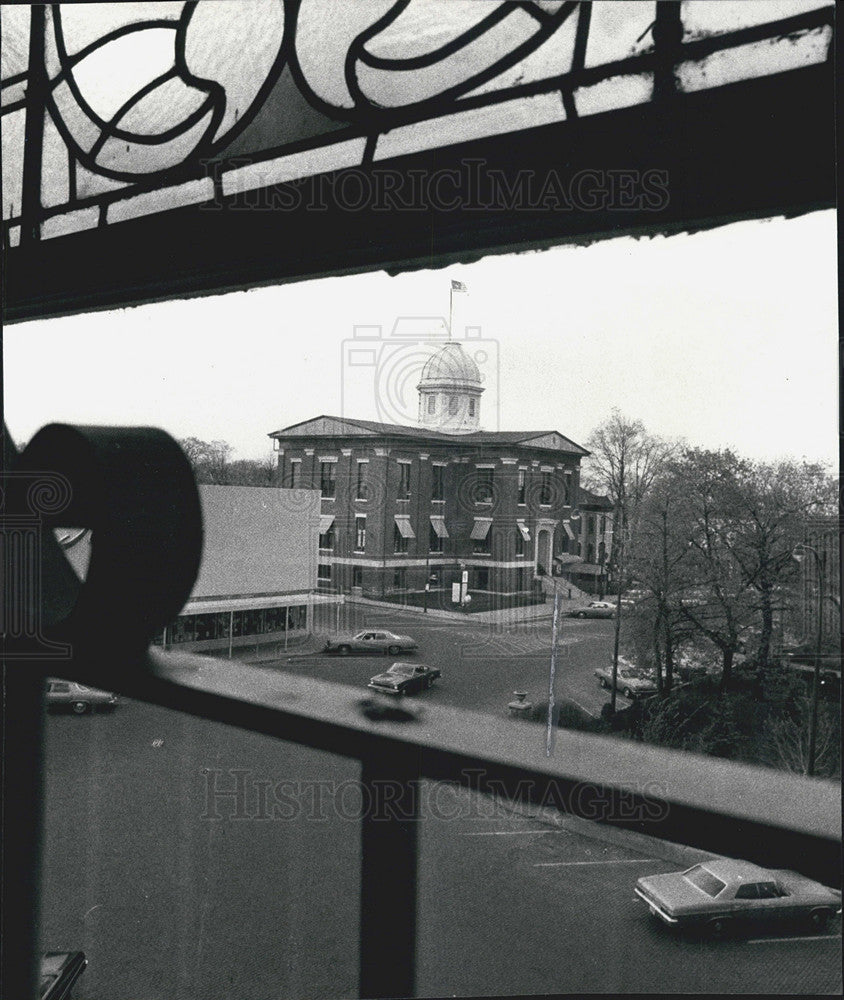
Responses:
[343,650]
[819,919]
[581,614]
[393,650]
[80,707]
[603,682]
[628,693]
[718,927]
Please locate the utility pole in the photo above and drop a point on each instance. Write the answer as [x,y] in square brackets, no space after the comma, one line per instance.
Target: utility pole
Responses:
[619,584]
[555,633]
[820,566]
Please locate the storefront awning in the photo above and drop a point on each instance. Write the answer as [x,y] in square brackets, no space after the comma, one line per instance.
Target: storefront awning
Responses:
[438,524]
[568,531]
[403,524]
[325,522]
[523,528]
[480,529]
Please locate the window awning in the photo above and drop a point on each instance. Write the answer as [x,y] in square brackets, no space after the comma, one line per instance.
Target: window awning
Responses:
[403,524]
[325,522]
[438,524]
[523,528]
[480,529]
[567,529]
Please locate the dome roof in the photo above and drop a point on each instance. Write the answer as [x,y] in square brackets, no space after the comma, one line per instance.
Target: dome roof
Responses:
[450,367]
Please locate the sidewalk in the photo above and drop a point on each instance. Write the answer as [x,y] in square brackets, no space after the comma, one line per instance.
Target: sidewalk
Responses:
[508,616]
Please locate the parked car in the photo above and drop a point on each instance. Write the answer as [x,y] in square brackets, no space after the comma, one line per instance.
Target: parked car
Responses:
[58,973]
[597,609]
[405,678]
[718,894]
[371,641]
[633,682]
[77,697]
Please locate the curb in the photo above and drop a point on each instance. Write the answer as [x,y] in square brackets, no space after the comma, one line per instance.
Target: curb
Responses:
[478,618]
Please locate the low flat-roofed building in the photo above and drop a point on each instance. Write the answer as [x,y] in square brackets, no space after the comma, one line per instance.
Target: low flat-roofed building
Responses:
[258,576]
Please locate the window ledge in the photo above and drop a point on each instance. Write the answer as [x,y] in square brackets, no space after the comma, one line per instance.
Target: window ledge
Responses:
[327,715]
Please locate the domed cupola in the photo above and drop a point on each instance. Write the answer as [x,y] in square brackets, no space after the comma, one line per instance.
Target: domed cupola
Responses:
[450,391]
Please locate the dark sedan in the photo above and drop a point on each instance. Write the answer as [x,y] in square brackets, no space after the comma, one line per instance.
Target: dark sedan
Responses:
[77,697]
[405,678]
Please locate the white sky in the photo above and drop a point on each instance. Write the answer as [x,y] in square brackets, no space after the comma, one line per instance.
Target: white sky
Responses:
[724,338]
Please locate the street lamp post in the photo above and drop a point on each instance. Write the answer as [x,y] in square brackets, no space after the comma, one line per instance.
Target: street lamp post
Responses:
[619,585]
[820,565]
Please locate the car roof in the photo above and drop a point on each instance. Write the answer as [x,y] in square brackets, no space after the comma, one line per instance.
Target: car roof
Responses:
[729,870]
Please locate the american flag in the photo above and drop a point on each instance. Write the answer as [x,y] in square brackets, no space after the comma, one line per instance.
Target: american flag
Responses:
[458,286]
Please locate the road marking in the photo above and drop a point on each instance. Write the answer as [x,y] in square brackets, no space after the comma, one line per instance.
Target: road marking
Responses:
[802,937]
[508,833]
[624,861]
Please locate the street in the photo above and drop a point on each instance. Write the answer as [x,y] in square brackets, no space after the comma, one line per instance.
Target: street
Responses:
[193,860]
[482,664]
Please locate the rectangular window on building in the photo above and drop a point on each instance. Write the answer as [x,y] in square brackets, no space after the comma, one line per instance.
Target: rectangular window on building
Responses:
[480,535]
[360,487]
[432,404]
[522,487]
[483,493]
[404,481]
[471,407]
[568,484]
[324,572]
[435,543]
[400,578]
[482,579]
[438,483]
[360,533]
[326,532]
[328,479]
[357,576]
[295,473]
[520,544]
[399,541]
[546,490]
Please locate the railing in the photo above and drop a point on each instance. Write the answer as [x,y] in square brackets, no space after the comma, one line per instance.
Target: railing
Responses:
[775,819]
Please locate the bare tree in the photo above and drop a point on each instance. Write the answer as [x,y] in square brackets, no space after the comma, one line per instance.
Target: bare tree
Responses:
[768,507]
[212,465]
[720,603]
[624,462]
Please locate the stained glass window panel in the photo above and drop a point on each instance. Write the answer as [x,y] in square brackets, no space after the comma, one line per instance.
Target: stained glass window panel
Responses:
[141,108]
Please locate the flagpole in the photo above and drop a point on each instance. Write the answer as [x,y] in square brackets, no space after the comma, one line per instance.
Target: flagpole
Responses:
[450,309]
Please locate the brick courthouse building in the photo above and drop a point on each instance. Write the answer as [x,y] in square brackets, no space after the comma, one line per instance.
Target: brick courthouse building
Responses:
[402,505]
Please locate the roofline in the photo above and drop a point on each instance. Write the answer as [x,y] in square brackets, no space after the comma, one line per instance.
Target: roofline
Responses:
[413,433]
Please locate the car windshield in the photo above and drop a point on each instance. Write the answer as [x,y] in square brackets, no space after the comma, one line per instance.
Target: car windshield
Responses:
[704,880]
[400,668]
